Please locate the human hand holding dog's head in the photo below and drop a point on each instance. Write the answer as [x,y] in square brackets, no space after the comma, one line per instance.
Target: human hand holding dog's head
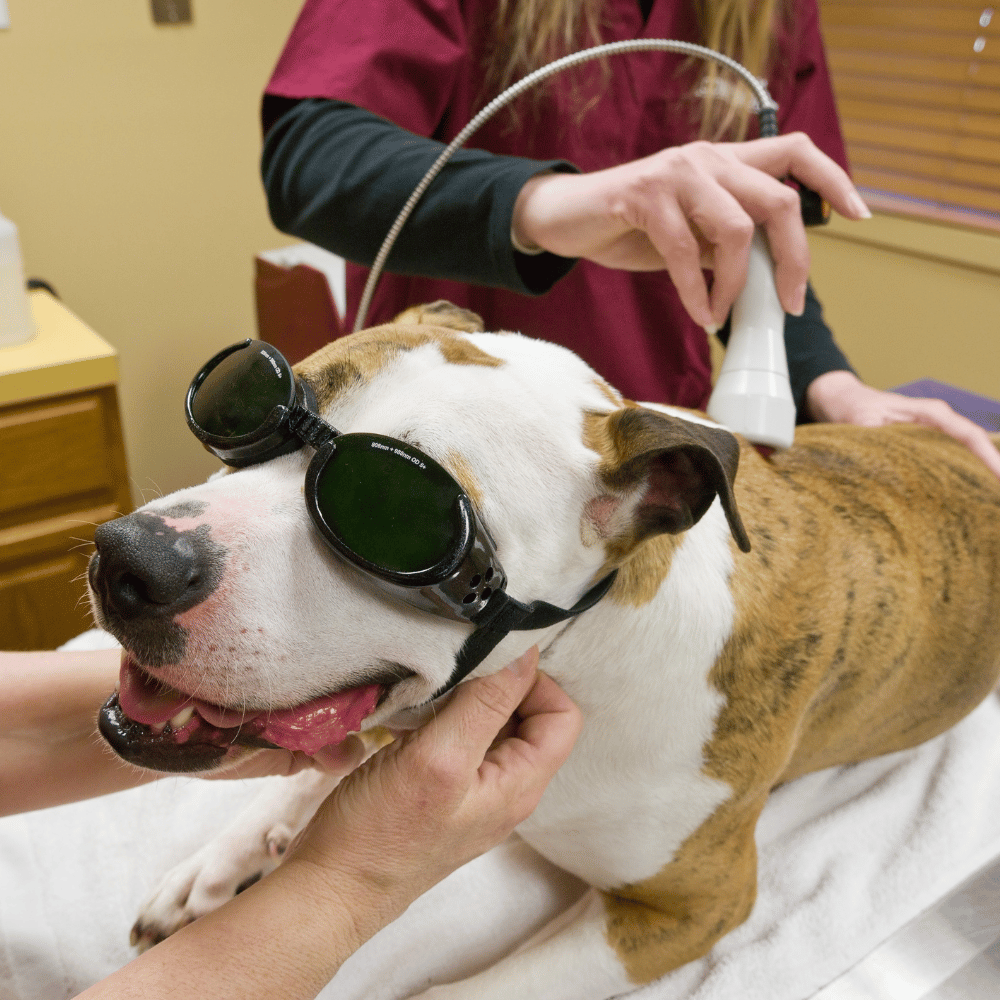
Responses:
[443,794]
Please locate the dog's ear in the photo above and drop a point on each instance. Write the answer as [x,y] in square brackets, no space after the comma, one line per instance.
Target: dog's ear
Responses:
[680,466]
[442,313]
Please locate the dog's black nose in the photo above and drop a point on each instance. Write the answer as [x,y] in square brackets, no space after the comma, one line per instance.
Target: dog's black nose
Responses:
[145,568]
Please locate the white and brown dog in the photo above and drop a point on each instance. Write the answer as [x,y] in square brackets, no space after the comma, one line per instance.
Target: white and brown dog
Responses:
[863,620]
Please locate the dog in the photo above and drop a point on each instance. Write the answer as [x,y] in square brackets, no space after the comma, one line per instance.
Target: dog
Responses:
[831,603]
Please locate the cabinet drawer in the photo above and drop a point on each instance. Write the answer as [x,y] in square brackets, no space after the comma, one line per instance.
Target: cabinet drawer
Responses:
[62,472]
[44,604]
[53,450]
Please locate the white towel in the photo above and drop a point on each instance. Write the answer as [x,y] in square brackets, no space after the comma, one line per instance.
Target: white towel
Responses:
[847,856]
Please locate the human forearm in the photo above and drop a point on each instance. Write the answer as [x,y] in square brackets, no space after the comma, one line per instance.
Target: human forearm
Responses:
[284,937]
[50,751]
[338,175]
[409,816]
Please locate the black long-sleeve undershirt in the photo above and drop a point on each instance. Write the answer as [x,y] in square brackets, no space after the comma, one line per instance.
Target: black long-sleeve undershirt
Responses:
[337,175]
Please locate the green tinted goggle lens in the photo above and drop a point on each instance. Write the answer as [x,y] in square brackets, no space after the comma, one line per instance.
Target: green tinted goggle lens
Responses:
[394,509]
[240,393]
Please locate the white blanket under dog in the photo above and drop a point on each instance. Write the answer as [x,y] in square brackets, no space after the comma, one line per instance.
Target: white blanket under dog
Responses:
[846,857]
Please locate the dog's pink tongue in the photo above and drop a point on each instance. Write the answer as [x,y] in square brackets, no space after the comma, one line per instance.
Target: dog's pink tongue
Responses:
[322,722]
[144,699]
[319,723]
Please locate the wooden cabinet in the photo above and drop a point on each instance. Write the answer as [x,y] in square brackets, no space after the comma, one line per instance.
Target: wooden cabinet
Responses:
[62,472]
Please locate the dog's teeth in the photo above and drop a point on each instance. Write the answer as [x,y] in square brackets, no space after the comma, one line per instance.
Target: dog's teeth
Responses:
[158,727]
[182,718]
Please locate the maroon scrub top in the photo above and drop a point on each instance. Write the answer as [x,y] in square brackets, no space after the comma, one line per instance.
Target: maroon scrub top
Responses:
[419,64]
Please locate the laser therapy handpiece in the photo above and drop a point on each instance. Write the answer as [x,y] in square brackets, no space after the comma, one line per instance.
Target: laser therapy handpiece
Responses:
[752,395]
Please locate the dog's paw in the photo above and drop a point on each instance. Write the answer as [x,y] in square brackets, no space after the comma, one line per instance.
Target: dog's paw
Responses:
[204,882]
[250,846]
[278,840]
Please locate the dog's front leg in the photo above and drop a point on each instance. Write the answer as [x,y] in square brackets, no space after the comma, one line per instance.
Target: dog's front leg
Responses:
[250,847]
[601,947]
[569,959]
[610,943]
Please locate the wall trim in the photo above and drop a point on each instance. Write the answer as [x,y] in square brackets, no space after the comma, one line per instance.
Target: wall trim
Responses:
[955,245]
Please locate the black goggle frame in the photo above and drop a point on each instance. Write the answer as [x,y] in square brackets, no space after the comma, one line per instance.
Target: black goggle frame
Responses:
[467,584]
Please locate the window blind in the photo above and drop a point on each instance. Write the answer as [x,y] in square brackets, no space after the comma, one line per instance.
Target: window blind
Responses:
[918,89]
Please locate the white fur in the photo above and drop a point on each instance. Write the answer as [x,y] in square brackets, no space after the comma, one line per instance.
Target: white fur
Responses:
[649,712]
[570,959]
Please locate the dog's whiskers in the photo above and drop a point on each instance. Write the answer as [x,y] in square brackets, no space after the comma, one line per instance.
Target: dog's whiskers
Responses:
[157,492]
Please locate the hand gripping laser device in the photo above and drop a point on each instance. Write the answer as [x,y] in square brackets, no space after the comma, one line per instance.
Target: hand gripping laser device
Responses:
[752,395]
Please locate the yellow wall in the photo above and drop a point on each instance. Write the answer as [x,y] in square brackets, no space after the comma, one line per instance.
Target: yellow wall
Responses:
[909,299]
[129,164]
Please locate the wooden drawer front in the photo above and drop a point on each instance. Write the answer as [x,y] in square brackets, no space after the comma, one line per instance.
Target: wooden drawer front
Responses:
[43,604]
[52,451]
[43,591]
[62,472]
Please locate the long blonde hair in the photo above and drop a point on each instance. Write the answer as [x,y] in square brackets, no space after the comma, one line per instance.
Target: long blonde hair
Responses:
[530,33]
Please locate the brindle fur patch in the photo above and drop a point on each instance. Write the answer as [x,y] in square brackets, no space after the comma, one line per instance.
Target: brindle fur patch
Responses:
[884,558]
[705,892]
[866,624]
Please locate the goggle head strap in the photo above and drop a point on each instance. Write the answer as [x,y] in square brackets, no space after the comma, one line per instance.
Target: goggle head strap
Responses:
[504,614]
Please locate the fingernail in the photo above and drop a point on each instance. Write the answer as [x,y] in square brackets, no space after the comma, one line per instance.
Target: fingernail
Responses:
[523,666]
[860,208]
[800,299]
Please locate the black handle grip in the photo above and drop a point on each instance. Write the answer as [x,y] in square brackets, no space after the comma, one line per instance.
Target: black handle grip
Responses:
[815,208]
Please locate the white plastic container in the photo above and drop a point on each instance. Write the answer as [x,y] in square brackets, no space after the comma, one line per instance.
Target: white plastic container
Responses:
[16,323]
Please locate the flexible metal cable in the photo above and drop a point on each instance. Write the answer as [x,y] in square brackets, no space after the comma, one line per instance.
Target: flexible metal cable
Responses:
[767,110]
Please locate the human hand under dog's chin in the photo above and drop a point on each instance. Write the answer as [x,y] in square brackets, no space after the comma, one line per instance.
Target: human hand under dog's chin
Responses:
[840,397]
[441,794]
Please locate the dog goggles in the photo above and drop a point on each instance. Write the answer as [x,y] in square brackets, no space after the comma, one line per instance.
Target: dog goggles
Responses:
[381,504]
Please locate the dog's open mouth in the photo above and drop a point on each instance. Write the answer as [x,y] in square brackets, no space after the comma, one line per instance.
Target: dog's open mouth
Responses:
[161,728]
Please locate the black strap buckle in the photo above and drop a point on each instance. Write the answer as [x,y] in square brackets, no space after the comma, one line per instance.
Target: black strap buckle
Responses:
[503,614]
